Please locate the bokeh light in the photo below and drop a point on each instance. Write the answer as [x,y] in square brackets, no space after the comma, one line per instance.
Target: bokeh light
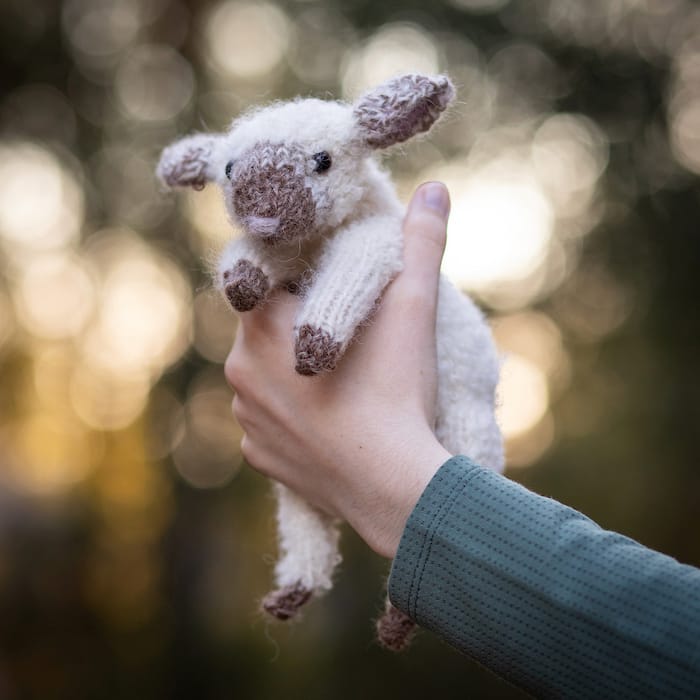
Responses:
[136,198]
[211,227]
[55,296]
[245,39]
[52,452]
[99,28]
[569,154]
[536,370]
[144,320]
[523,394]
[154,83]
[41,204]
[214,326]
[207,455]
[326,33]
[7,321]
[107,400]
[394,49]
[500,225]
[684,106]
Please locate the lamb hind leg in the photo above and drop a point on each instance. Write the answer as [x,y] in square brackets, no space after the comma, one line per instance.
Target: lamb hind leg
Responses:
[308,543]
[395,629]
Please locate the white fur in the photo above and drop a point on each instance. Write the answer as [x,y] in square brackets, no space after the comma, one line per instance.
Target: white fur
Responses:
[354,252]
[308,542]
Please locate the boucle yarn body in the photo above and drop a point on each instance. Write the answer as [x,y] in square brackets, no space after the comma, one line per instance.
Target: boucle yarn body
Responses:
[319,216]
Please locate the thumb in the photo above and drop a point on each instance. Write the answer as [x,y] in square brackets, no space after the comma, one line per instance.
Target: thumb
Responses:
[409,305]
[425,231]
[425,234]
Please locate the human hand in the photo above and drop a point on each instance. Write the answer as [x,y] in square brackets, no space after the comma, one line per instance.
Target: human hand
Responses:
[357,443]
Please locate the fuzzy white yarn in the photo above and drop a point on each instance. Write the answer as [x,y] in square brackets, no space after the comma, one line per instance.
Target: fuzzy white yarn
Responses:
[353,249]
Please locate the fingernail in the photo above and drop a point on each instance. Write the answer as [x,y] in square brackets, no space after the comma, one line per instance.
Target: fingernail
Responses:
[434,196]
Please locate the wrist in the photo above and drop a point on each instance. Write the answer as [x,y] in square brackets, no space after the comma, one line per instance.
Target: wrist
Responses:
[409,471]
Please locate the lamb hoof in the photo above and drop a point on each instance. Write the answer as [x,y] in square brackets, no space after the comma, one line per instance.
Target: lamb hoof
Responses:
[395,629]
[245,285]
[316,351]
[286,602]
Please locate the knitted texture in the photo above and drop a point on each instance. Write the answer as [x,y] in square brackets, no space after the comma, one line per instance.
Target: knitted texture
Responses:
[308,542]
[286,602]
[395,629]
[270,195]
[319,216]
[402,108]
[316,350]
[543,596]
[188,163]
[245,285]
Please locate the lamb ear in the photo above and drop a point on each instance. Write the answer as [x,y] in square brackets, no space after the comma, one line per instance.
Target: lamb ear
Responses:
[189,162]
[401,108]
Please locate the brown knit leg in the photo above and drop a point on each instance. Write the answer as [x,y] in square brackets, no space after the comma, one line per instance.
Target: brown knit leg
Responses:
[286,602]
[245,285]
[395,629]
[316,351]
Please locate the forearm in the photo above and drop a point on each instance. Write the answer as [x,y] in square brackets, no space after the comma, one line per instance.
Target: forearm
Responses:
[544,597]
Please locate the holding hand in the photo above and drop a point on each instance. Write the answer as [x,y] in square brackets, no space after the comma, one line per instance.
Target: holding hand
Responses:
[358,442]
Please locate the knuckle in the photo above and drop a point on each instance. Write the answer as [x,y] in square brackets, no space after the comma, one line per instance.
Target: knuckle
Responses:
[236,408]
[234,371]
[241,413]
[247,449]
[251,453]
[245,446]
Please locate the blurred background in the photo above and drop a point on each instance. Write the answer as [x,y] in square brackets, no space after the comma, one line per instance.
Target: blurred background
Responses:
[133,545]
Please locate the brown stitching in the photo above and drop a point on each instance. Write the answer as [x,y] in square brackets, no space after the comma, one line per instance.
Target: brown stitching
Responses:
[395,629]
[270,195]
[245,285]
[190,170]
[401,108]
[316,350]
[287,601]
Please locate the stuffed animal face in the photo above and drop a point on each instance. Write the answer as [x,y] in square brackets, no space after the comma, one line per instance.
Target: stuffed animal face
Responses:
[291,170]
[294,170]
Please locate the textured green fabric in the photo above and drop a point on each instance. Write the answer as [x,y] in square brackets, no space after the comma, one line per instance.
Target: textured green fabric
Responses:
[544,597]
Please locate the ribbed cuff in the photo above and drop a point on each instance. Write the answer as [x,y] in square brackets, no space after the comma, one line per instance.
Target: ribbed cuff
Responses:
[418,538]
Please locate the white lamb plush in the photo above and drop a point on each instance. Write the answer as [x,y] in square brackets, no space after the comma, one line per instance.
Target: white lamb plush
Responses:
[322,219]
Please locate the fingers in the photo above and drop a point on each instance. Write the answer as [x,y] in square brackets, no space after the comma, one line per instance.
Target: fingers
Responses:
[262,343]
[273,320]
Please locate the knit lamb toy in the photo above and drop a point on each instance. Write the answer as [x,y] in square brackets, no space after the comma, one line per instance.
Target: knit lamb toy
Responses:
[321,218]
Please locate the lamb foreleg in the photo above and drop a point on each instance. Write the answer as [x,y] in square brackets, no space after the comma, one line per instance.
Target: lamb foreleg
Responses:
[354,269]
[244,276]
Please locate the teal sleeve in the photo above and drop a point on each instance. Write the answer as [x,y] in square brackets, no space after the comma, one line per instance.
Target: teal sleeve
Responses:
[544,597]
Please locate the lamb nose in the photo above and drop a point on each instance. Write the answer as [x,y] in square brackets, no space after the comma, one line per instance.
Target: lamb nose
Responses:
[263,226]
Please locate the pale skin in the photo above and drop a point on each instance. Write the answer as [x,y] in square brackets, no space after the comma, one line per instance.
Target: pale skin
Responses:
[357,442]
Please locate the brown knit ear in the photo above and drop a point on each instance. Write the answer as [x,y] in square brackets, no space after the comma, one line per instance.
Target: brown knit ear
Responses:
[189,162]
[401,108]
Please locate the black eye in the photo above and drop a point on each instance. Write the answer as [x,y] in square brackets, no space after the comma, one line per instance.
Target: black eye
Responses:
[323,161]
[229,165]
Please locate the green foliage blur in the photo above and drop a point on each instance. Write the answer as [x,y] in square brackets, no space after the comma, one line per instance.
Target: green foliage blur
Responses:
[133,545]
